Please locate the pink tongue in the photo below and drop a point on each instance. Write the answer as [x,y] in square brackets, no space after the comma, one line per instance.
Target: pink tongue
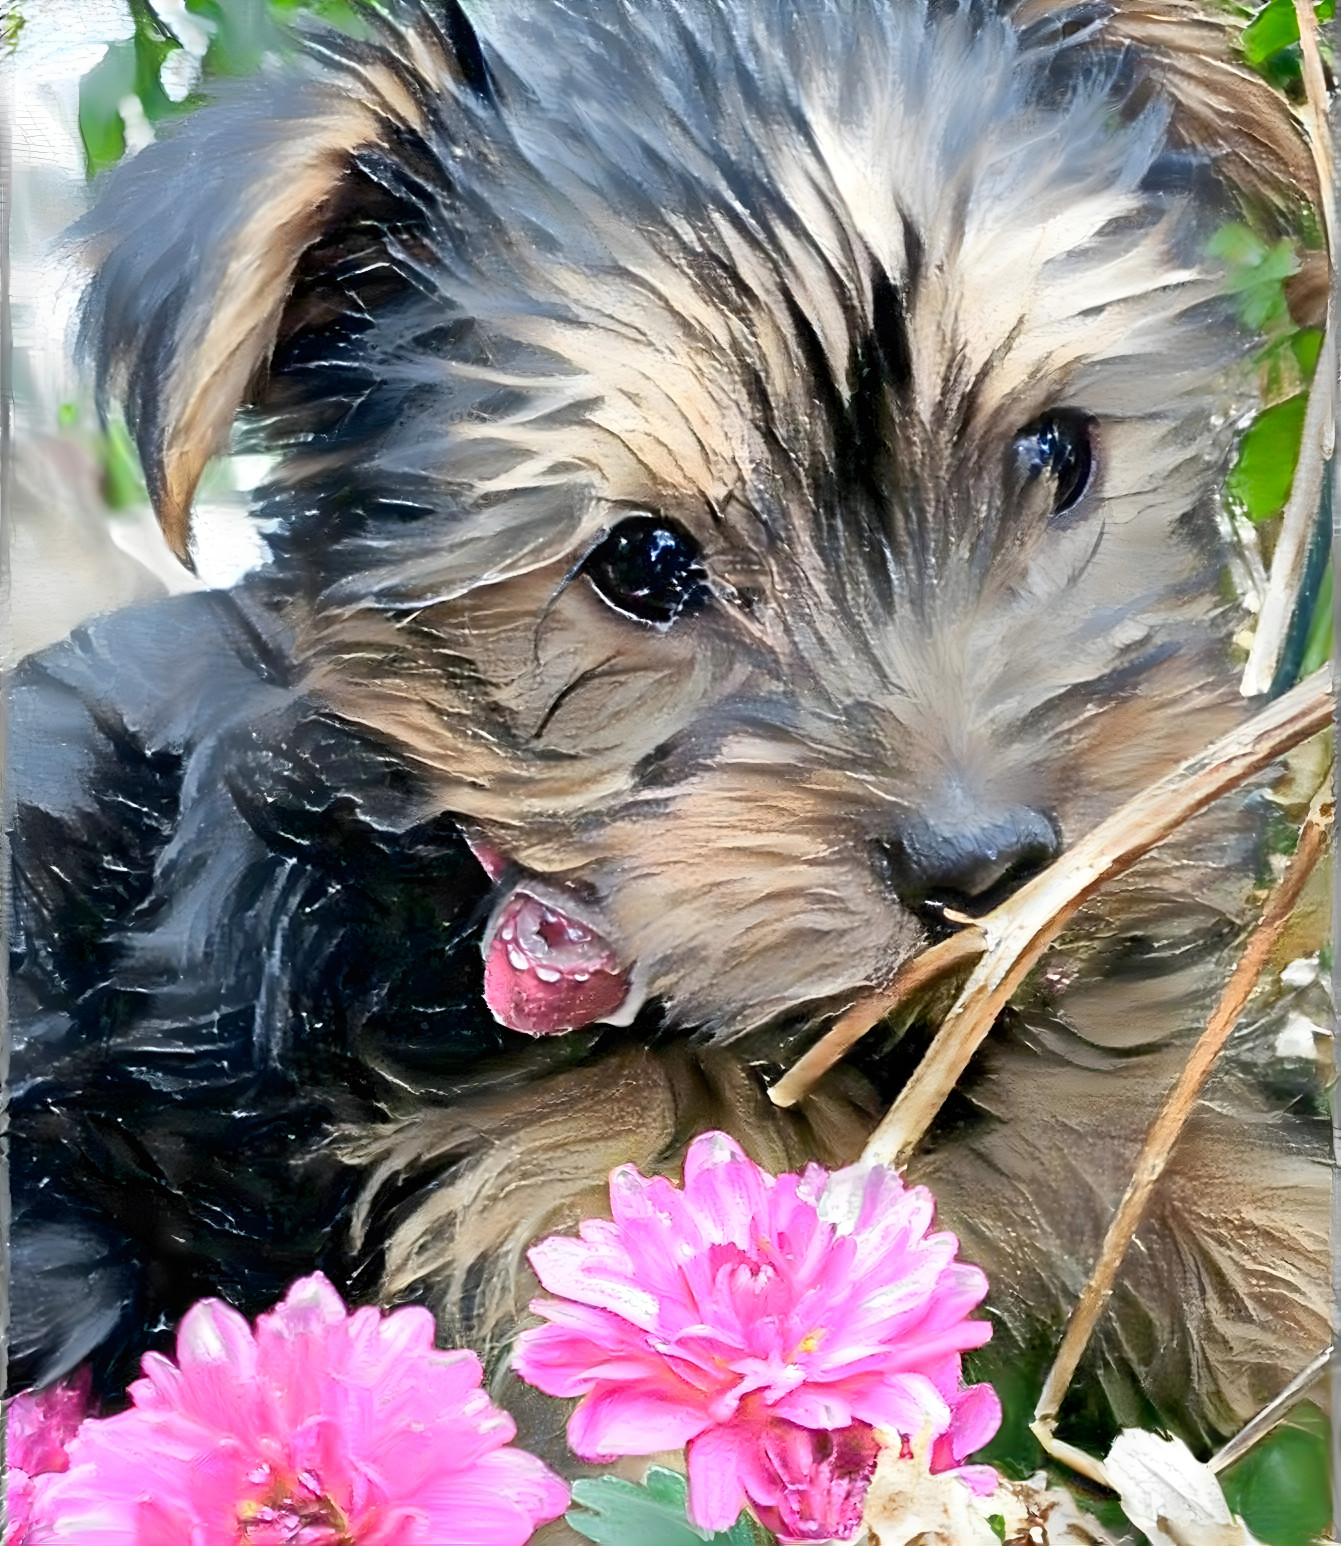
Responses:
[544,971]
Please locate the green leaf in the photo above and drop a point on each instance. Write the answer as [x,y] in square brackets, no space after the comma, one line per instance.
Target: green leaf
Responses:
[243,32]
[1307,345]
[1259,481]
[1280,1487]
[1273,28]
[12,22]
[614,1512]
[1256,273]
[130,68]
[340,13]
[122,478]
[1318,645]
[1276,27]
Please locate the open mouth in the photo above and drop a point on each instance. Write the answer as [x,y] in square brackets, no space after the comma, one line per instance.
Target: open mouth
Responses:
[548,968]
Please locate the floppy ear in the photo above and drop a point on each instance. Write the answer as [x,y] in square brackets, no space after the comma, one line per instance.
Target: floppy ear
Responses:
[197,242]
[1191,49]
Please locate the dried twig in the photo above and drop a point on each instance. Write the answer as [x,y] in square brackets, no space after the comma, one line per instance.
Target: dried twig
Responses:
[1296,531]
[1173,1115]
[1020,930]
[961,948]
[1258,1427]
[1315,117]
[1316,446]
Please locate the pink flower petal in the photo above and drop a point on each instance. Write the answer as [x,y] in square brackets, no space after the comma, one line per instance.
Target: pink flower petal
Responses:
[815,1406]
[819,1483]
[716,1495]
[565,1267]
[975,1416]
[313,1417]
[39,1423]
[563,1358]
[631,1420]
[981,1480]
[529,1491]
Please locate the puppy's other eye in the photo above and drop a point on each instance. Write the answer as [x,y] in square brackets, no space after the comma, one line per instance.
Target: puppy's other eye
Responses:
[1060,448]
[649,568]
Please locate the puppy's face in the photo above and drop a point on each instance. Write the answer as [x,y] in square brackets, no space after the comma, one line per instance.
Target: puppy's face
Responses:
[776,498]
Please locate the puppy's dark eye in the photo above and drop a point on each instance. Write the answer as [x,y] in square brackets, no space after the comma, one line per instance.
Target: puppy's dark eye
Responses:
[1060,448]
[649,568]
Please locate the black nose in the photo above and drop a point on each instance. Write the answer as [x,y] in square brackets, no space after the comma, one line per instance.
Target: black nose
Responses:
[939,864]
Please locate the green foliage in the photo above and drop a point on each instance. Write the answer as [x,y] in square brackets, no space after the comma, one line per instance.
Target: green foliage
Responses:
[131,68]
[122,477]
[1280,1487]
[1271,41]
[1318,645]
[614,1512]
[1256,274]
[11,24]
[241,34]
[1259,481]
[117,458]
[1275,27]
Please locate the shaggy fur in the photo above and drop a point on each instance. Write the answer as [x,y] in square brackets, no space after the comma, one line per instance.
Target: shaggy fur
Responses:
[797,280]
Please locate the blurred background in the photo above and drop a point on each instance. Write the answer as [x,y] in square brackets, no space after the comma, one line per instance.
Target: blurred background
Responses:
[87,82]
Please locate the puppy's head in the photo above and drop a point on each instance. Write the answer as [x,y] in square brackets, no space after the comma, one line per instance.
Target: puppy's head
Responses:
[758,466]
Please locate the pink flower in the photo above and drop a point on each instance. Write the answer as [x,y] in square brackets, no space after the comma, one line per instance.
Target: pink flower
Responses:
[975,1415]
[769,1324]
[809,1484]
[319,1428]
[39,1423]
[38,1426]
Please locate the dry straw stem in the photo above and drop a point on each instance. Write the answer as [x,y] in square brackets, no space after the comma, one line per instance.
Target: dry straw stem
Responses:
[1258,1427]
[1297,524]
[1314,114]
[1165,1129]
[1317,443]
[961,948]
[1018,932]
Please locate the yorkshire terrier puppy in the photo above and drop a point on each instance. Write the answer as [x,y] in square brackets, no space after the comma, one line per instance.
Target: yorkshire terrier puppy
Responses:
[746,481]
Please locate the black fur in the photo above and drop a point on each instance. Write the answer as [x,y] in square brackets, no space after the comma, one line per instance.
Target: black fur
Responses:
[222,899]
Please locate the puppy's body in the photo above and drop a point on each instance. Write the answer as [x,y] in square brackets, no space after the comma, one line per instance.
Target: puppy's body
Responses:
[748,476]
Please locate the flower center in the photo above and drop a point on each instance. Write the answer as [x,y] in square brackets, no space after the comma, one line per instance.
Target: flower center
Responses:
[292,1511]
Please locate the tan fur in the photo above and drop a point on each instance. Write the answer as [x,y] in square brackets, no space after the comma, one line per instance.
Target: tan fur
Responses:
[531,1156]
[231,342]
